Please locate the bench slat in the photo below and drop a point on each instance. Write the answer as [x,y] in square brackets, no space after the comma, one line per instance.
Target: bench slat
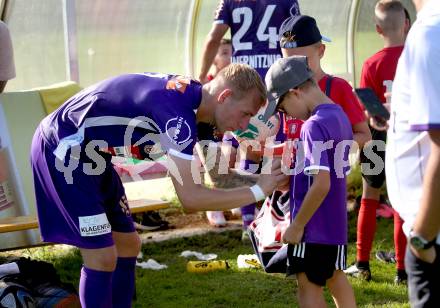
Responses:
[20,223]
[145,205]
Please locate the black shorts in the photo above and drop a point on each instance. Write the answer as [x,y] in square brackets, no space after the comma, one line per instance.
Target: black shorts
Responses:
[317,261]
[373,173]
[423,280]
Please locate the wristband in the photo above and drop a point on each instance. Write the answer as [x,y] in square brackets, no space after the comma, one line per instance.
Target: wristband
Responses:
[257,192]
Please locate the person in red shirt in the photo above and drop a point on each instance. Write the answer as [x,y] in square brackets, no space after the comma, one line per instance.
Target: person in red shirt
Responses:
[222,58]
[300,35]
[378,74]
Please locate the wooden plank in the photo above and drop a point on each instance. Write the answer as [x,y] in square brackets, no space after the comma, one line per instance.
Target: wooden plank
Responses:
[145,205]
[20,223]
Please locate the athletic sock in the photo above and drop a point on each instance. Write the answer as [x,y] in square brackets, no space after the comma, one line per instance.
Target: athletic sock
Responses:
[247,215]
[401,273]
[366,227]
[363,265]
[95,288]
[123,282]
[399,242]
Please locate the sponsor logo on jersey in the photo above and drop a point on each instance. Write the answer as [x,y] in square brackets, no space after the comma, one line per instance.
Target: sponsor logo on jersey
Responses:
[94,225]
[178,130]
[178,83]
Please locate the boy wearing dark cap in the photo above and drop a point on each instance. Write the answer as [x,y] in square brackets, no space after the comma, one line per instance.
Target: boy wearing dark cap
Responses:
[300,35]
[317,234]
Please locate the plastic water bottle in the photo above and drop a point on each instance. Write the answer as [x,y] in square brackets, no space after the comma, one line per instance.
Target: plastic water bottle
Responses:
[248,261]
[206,266]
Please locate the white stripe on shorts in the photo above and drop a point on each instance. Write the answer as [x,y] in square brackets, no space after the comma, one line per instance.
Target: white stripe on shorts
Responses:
[340,258]
[299,250]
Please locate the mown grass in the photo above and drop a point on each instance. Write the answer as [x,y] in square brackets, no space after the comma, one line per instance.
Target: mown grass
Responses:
[175,287]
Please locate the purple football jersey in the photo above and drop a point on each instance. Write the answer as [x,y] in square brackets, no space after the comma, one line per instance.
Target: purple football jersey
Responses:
[143,114]
[254,29]
[325,141]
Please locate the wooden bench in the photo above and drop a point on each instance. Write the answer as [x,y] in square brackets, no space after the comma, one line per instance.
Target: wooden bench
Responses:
[20,223]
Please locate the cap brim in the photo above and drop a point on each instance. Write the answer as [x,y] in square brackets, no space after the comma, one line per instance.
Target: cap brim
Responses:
[325,39]
[271,108]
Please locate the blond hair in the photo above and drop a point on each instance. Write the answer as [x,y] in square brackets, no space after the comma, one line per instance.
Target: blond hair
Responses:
[389,15]
[242,78]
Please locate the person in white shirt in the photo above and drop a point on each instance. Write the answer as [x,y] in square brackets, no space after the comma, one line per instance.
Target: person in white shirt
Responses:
[413,153]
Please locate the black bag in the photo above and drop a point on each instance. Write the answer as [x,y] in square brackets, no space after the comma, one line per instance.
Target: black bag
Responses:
[14,292]
[42,284]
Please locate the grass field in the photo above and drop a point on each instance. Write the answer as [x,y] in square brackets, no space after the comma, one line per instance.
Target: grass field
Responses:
[175,287]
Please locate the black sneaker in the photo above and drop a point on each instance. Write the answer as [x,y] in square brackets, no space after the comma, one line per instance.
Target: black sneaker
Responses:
[386,256]
[150,222]
[354,271]
[156,217]
[401,277]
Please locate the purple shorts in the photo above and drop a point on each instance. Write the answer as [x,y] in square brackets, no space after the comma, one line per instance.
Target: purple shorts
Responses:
[75,208]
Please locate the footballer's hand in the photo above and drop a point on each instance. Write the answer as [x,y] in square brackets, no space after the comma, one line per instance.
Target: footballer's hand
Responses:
[293,234]
[268,182]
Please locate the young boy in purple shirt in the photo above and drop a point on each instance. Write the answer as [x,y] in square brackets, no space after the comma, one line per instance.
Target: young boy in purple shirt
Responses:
[317,235]
[80,197]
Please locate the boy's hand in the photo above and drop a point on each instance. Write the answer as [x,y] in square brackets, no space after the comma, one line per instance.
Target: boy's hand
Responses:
[293,234]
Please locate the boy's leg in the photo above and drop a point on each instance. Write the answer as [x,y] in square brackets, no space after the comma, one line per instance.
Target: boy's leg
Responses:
[372,181]
[128,246]
[309,294]
[95,286]
[341,290]
[366,224]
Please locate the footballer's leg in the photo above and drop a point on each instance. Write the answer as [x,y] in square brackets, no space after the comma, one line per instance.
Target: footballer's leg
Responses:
[128,246]
[95,286]
[126,240]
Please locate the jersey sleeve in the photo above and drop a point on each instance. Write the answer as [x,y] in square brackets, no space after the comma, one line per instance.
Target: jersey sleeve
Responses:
[425,81]
[314,145]
[293,7]
[178,131]
[175,116]
[221,15]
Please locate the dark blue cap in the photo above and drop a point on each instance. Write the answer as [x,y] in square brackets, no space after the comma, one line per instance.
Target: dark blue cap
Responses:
[300,31]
